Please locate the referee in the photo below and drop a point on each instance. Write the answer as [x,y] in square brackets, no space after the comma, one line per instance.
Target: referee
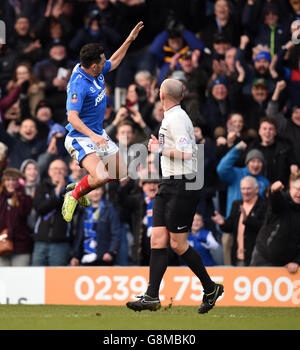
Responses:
[174,206]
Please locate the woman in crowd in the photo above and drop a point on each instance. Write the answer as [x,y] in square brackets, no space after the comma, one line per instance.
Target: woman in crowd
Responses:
[15,207]
[35,89]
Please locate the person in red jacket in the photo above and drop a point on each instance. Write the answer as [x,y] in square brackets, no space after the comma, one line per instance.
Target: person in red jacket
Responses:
[15,206]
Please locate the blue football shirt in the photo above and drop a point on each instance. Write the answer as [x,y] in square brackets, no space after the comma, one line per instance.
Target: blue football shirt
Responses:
[86,94]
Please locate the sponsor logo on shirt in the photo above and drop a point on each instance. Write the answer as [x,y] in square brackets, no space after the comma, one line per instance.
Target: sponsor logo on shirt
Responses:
[183,140]
[100,97]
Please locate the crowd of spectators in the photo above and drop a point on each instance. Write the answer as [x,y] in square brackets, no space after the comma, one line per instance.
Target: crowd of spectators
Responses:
[241,74]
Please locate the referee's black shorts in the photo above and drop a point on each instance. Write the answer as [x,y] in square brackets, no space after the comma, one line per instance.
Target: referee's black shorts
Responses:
[174,206]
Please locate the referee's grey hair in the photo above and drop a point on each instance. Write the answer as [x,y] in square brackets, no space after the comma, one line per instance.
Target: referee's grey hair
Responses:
[173,88]
[251,179]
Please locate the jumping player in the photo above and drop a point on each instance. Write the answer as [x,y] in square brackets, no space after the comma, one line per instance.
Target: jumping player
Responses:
[86,140]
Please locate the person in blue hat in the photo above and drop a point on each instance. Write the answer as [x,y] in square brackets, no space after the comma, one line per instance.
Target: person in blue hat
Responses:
[260,67]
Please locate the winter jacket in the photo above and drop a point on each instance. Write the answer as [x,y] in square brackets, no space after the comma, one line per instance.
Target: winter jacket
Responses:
[278,240]
[107,37]
[290,75]
[108,232]
[15,220]
[261,32]
[252,224]
[233,176]
[19,149]
[215,114]
[278,158]
[286,128]
[247,106]
[50,226]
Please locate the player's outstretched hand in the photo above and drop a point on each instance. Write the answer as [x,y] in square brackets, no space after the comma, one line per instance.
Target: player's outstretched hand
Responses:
[100,141]
[135,31]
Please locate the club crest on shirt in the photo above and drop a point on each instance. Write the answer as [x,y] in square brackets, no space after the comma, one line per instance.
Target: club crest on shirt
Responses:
[101,78]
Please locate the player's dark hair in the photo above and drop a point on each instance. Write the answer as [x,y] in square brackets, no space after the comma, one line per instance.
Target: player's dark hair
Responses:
[90,53]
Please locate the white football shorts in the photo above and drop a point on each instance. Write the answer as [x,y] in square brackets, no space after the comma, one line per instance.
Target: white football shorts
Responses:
[79,147]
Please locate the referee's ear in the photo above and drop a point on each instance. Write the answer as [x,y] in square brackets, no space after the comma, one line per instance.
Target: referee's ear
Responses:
[183,91]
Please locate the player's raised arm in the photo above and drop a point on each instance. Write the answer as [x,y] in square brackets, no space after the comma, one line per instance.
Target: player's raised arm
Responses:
[118,56]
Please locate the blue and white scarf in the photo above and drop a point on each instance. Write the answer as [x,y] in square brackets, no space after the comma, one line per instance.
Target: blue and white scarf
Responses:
[148,217]
[90,239]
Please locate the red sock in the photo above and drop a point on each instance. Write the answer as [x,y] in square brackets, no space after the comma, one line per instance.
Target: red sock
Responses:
[82,188]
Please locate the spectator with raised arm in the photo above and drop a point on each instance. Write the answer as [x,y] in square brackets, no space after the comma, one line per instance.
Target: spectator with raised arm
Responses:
[12,97]
[54,26]
[95,31]
[289,72]
[52,235]
[232,175]
[277,152]
[223,21]
[245,219]
[195,80]
[253,106]
[34,89]
[289,127]
[271,30]
[278,241]
[260,67]
[172,44]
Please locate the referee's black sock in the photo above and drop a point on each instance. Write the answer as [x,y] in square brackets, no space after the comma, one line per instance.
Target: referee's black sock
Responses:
[158,266]
[195,263]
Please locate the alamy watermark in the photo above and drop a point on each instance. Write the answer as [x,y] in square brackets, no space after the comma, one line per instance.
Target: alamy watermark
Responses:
[136,162]
[295,29]
[2,32]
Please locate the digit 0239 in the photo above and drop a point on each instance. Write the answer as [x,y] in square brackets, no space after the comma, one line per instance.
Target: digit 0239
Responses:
[187,290]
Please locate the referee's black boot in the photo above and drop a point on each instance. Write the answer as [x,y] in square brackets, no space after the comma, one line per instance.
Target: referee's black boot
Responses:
[209,300]
[145,302]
